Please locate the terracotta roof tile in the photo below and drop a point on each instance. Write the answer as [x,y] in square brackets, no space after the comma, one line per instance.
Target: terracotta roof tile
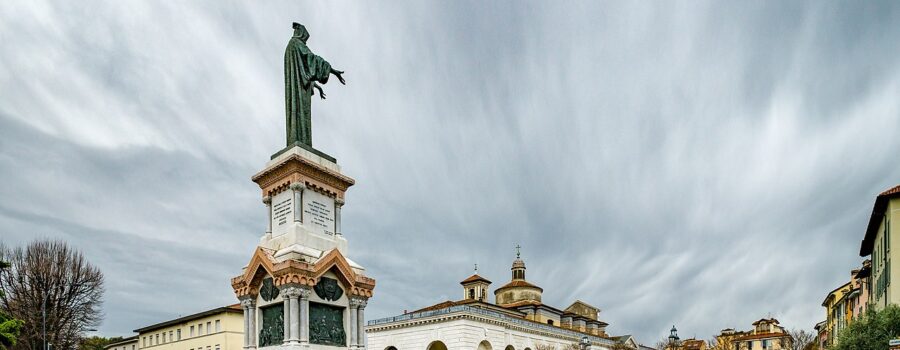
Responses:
[517,283]
[474,278]
[894,190]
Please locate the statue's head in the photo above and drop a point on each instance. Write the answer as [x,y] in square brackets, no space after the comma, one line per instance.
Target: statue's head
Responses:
[300,31]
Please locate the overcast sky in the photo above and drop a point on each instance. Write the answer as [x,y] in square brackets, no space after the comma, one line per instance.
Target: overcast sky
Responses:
[697,164]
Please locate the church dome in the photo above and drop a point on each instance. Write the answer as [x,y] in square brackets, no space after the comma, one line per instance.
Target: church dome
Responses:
[518,290]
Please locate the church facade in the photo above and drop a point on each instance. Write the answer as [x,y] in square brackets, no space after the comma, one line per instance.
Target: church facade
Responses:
[516,320]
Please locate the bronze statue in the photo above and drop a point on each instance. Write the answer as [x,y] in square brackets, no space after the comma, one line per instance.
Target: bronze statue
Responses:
[302,71]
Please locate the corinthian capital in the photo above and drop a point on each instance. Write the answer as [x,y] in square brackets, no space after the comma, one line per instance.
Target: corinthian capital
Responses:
[248,302]
[359,302]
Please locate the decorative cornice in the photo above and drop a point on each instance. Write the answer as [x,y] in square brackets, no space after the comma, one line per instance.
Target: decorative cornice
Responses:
[295,273]
[297,164]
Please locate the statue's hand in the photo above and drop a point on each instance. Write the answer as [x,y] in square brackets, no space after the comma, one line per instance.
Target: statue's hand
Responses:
[321,93]
[339,75]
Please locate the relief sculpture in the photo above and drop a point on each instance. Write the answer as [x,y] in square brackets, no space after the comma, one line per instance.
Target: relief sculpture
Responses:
[326,326]
[272,330]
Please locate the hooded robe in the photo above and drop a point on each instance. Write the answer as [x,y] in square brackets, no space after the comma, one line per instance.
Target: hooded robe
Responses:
[302,68]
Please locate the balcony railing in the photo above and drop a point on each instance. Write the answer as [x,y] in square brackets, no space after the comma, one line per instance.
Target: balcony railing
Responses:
[491,314]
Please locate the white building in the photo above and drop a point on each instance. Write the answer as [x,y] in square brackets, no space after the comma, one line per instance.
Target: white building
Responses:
[517,320]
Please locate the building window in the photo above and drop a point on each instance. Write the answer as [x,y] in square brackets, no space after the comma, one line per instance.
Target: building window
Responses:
[171,338]
[208,327]
[218,326]
[550,322]
[157,339]
[178,333]
[765,344]
[164,337]
[199,329]
[217,346]
[471,293]
[192,332]
[144,341]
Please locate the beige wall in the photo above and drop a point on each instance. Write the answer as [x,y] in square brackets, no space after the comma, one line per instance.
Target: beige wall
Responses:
[229,336]
[885,255]
[757,344]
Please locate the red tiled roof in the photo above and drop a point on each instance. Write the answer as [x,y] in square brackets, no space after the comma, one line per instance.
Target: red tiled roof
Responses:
[474,278]
[438,306]
[894,190]
[518,283]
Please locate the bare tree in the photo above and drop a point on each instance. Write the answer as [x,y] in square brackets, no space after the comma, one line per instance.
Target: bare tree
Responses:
[800,339]
[715,344]
[51,284]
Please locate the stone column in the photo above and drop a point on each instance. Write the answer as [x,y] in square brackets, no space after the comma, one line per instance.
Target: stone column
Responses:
[361,325]
[267,200]
[338,203]
[291,314]
[287,315]
[354,308]
[298,201]
[305,292]
[245,305]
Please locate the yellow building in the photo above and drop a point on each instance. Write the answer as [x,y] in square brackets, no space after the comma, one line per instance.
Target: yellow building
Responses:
[129,343]
[216,329]
[725,339]
[881,242]
[836,312]
[767,334]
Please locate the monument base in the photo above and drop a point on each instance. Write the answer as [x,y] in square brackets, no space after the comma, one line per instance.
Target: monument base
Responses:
[306,147]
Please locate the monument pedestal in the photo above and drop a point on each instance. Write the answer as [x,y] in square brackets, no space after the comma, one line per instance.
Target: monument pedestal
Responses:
[299,291]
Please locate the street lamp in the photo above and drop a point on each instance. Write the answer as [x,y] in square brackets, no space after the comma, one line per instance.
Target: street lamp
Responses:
[585,343]
[44,310]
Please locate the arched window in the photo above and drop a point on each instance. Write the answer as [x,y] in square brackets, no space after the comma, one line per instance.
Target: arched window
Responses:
[471,293]
[436,345]
[390,348]
[550,322]
[484,345]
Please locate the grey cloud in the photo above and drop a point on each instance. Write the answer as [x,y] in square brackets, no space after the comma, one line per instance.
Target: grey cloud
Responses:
[664,162]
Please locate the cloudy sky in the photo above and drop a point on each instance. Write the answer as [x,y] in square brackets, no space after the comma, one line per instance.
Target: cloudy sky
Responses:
[688,163]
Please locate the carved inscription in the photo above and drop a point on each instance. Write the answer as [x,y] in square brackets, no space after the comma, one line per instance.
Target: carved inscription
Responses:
[282,212]
[318,212]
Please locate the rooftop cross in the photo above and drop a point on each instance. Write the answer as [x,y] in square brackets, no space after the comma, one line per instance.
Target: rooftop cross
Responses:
[518,253]
[476,268]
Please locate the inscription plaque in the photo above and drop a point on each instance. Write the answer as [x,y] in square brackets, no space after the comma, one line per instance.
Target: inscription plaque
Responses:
[282,212]
[318,212]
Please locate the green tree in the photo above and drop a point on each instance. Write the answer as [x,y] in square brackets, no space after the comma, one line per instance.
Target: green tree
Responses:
[97,343]
[9,327]
[871,332]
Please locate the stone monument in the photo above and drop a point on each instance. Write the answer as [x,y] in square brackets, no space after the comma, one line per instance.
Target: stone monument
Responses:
[299,290]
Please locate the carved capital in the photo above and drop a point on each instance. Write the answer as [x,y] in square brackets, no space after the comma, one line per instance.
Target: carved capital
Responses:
[297,186]
[248,302]
[339,202]
[291,291]
[305,293]
[267,200]
[357,302]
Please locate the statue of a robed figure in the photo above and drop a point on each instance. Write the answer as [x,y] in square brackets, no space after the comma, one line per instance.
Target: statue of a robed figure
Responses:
[303,70]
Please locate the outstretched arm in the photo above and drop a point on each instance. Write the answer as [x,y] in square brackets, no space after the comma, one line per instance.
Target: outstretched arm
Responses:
[339,75]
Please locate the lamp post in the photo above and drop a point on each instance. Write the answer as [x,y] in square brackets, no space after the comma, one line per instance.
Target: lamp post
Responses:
[585,343]
[45,295]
